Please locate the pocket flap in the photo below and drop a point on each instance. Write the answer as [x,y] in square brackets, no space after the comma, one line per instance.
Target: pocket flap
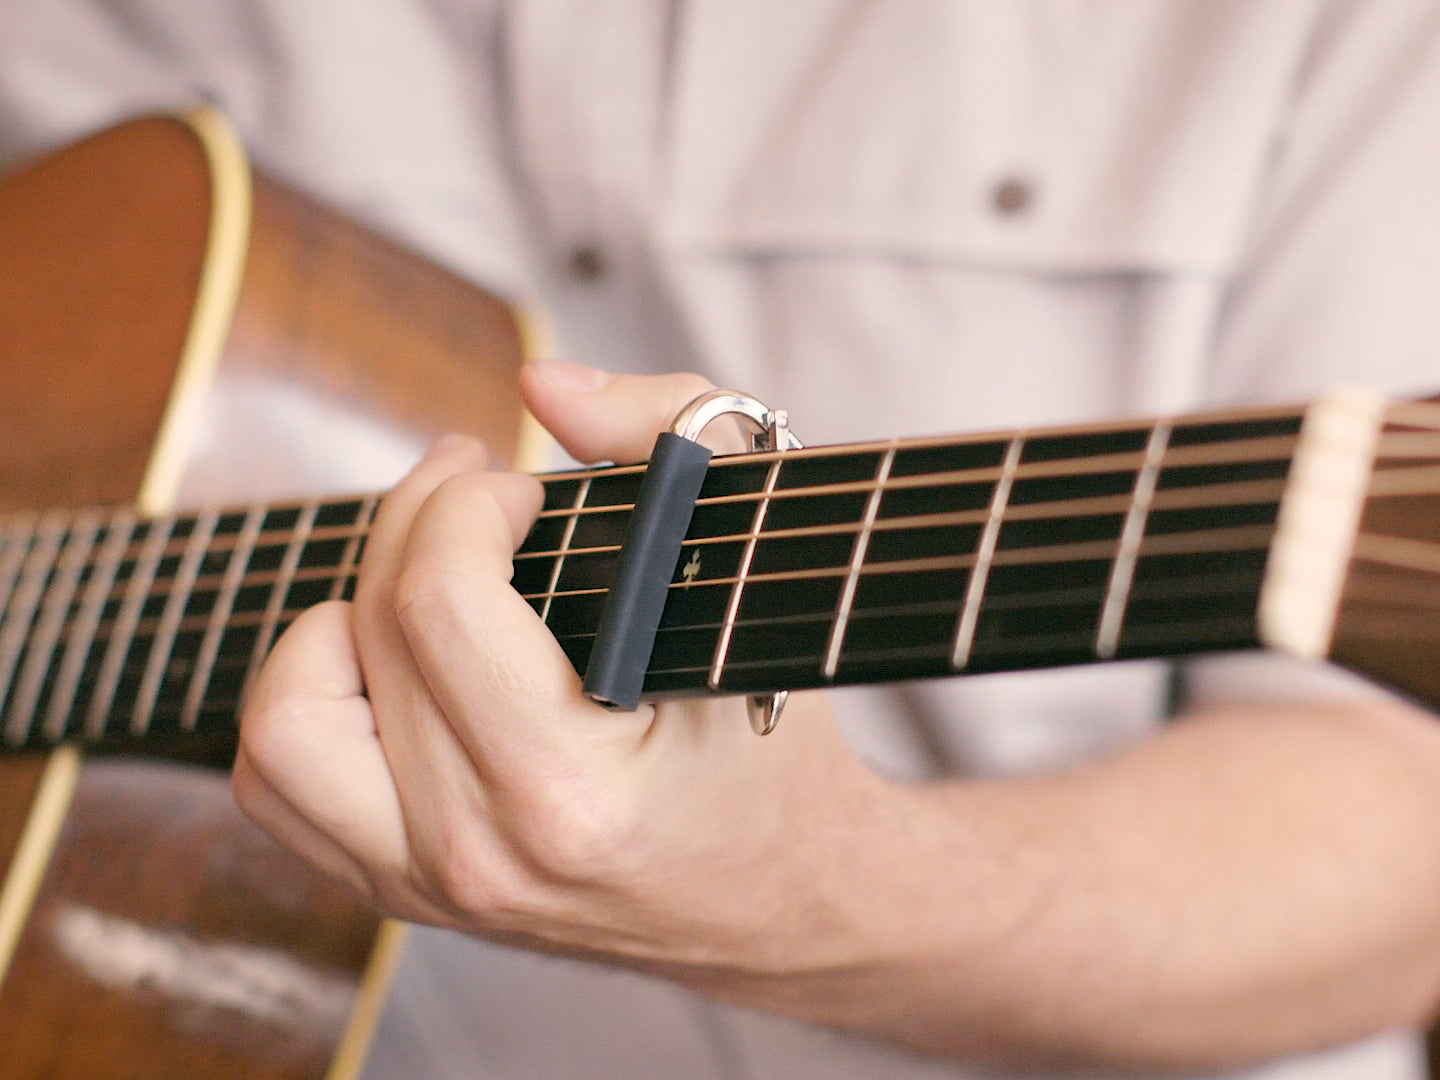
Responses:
[1123,137]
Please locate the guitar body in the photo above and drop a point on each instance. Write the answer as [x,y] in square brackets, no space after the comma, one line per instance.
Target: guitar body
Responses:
[174,331]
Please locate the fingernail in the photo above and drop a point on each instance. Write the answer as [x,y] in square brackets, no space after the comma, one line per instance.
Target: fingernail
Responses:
[568,375]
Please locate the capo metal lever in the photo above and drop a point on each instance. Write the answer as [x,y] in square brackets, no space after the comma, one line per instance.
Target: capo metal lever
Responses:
[772,432]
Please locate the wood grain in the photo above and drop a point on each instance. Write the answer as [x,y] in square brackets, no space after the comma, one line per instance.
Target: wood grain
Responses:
[170,938]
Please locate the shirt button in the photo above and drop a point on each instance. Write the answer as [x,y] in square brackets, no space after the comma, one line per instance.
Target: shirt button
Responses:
[1012,196]
[587,263]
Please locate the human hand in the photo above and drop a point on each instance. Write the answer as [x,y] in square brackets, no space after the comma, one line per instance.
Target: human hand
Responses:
[430,744]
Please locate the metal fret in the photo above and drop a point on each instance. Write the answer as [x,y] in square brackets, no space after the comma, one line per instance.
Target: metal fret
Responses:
[40,655]
[220,615]
[984,553]
[732,608]
[20,612]
[1240,416]
[87,621]
[163,644]
[14,544]
[857,559]
[122,633]
[1122,574]
[276,605]
[581,494]
[351,555]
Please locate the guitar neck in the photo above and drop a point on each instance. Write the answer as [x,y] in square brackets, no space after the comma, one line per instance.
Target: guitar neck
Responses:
[824,566]
[925,557]
[123,631]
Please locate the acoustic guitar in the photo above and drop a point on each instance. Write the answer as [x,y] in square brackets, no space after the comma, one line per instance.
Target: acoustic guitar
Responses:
[178,331]
[1309,529]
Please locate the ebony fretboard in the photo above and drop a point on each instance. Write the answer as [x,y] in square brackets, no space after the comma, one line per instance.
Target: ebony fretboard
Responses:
[829,565]
[919,558]
[119,630]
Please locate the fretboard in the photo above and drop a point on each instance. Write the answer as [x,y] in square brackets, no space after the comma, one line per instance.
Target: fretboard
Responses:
[823,566]
[126,632]
[919,558]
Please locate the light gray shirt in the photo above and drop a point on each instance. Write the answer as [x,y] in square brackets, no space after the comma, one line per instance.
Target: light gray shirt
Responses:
[888,218]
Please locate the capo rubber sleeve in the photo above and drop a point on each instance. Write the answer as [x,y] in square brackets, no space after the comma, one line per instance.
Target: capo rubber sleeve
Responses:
[630,618]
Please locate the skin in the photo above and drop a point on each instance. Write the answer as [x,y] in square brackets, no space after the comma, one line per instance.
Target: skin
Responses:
[1254,880]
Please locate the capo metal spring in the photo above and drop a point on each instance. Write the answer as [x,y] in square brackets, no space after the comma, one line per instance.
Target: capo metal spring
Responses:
[772,432]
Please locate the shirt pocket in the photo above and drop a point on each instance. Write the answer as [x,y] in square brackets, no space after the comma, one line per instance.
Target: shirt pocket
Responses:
[1124,139]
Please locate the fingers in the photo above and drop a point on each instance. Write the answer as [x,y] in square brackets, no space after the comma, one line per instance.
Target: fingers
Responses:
[597,416]
[430,744]
[417,740]
[345,755]
[384,547]
[275,814]
[493,667]
[310,769]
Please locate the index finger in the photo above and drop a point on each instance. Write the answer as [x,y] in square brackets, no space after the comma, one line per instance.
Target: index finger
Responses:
[496,670]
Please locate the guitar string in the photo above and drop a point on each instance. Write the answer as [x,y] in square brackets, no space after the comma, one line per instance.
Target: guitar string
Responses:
[233,664]
[937,650]
[1427,484]
[223,541]
[1175,499]
[1224,452]
[1253,539]
[1234,494]
[221,708]
[1241,493]
[1250,451]
[1241,451]
[1141,635]
[1237,451]
[1260,495]
[225,707]
[1238,541]
[222,711]
[1234,540]
[1242,539]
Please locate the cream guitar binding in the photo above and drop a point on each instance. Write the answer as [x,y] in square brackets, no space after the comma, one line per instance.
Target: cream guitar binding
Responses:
[174,327]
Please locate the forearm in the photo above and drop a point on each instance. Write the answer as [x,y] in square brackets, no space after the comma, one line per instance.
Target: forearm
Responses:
[1243,884]
[1246,884]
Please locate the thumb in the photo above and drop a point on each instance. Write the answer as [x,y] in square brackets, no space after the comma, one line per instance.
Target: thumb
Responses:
[597,416]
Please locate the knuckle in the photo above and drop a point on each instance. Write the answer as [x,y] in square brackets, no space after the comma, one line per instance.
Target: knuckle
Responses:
[429,586]
[504,878]
[582,838]
[463,889]
[464,875]
[268,730]
[422,593]
[479,496]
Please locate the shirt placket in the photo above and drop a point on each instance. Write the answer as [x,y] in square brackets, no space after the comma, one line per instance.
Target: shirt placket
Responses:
[586,87]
